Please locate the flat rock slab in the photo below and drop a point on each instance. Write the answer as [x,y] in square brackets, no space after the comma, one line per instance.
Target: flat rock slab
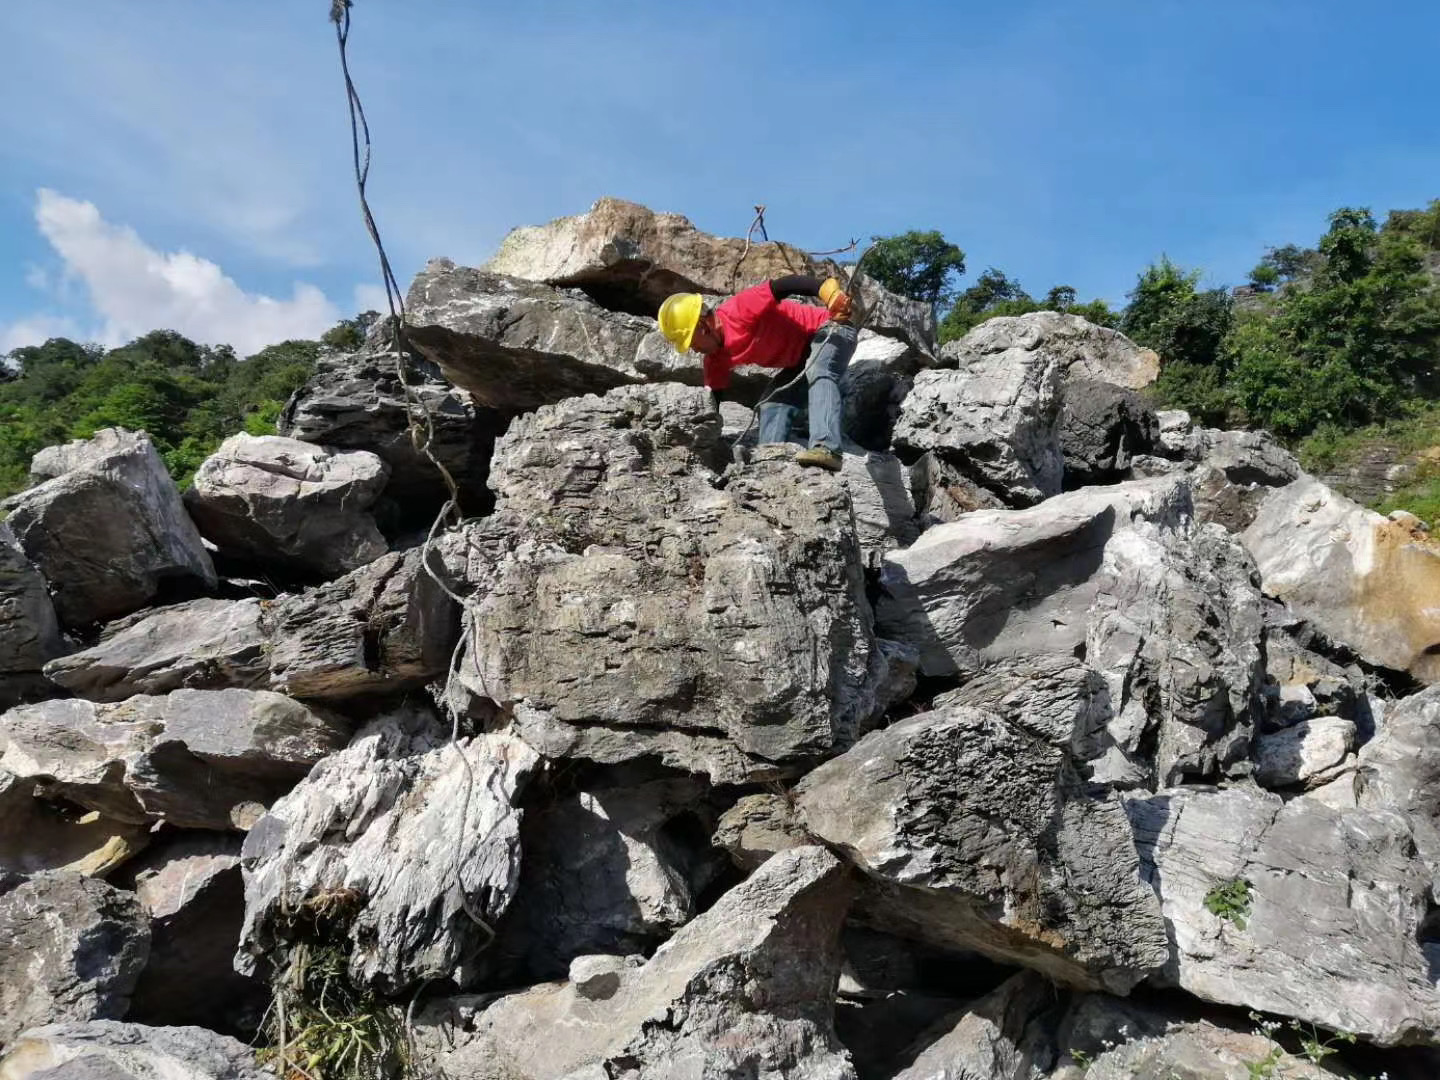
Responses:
[1293,908]
[407,839]
[273,501]
[683,1013]
[979,834]
[71,948]
[110,1050]
[1362,579]
[107,528]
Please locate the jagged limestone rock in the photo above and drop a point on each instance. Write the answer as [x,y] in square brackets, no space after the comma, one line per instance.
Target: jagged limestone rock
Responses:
[403,841]
[943,493]
[1311,753]
[1082,349]
[355,401]
[71,948]
[1200,1051]
[515,345]
[1363,579]
[1400,770]
[1000,1037]
[1293,908]
[29,634]
[107,528]
[1233,472]
[757,827]
[880,375]
[630,604]
[1016,860]
[202,759]
[1167,613]
[110,1050]
[881,501]
[38,835]
[382,628]
[1103,427]
[273,501]
[744,990]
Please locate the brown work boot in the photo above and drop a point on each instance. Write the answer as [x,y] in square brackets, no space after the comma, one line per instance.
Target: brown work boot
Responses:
[819,457]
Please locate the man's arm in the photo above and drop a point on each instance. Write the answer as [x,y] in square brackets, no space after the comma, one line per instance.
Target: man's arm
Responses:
[829,292]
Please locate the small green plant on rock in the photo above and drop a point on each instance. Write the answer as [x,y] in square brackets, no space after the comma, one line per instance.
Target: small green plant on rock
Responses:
[1230,901]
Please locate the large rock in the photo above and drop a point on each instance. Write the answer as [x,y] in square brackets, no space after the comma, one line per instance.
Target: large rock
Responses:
[628,604]
[880,498]
[999,1037]
[1233,472]
[874,388]
[1365,581]
[1400,770]
[405,844]
[1103,427]
[383,628]
[516,345]
[355,401]
[942,492]
[1293,908]
[1202,1051]
[744,990]
[190,886]
[1017,862]
[29,634]
[1082,349]
[38,835]
[1311,753]
[206,759]
[110,1050]
[269,500]
[1166,612]
[71,948]
[107,529]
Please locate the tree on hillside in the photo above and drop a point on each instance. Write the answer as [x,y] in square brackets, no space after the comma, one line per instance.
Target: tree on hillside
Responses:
[920,265]
[1187,327]
[349,334]
[995,293]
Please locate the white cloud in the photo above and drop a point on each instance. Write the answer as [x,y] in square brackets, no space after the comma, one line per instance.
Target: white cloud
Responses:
[371,298]
[35,330]
[134,289]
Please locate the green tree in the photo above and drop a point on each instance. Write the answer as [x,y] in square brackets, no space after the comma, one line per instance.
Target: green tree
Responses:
[920,265]
[1170,314]
[349,334]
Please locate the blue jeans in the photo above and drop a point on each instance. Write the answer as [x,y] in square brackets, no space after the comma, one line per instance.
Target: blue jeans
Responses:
[830,352]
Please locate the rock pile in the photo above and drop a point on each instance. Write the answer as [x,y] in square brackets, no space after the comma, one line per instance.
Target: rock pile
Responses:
[1050,733]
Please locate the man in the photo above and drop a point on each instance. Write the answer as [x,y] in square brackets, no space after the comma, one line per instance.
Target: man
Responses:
[755,327]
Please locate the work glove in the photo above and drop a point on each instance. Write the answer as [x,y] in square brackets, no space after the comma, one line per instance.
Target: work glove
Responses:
[835,299]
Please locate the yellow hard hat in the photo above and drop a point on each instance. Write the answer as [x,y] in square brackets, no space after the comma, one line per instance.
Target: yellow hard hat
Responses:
[678,316]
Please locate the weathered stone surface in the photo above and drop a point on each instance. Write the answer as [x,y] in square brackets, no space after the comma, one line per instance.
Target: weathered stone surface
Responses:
[196,758]
[355,401]
[1102,428]
[1400,770]
[1167,613]
[874,387]
[1199,1051]
[1083,350]
[516,345]
[382,628]
[1311,753]
[1017,862]
[37,835]
[943,493]
[398,838]
[1337,905]
[998,1037]
[1301,683]
[1233,473]
[110,1050]
[271,500]
[630,606]
[385,627]
[29,634]
[71,948]
[190,887]
[880,498]
[886,313]
[1173,431]
[109,530]
[201,644]
[744,990]
[1364,580]
[757,827]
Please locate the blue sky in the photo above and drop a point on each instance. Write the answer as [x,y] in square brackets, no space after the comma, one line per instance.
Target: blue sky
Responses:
[185,163]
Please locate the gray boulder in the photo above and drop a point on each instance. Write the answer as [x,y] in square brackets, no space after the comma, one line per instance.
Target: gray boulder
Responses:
[1103,427]
[1082,349]
[1400,770]
[190,886]
[1311,753]
[875,385]
[107,528]
[880,499]
[110,1050]
[1233,472]
[355,401]
[29,634]
[757,827]
[744,990]
[515,345]
[628,604]
[275,501]
[1002,1036]
[206,759]
[943,493]
[1364,580]
[407,843]
[1200,1051]
[71,948]
[1167,613]
[1017,862]
[38,835]
[382,628]
[1293,908]
[1173,431]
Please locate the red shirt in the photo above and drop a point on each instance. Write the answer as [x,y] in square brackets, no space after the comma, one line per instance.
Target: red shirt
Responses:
[760,330]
